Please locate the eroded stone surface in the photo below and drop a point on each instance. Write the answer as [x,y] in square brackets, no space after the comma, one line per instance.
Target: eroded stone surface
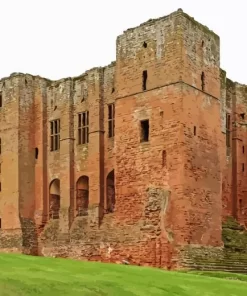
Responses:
[167,178]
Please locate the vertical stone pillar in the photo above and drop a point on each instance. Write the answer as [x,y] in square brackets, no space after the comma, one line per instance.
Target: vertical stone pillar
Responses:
[95,147]
[66,156]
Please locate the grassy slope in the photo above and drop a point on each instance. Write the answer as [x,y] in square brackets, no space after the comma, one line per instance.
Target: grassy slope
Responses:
[25,275]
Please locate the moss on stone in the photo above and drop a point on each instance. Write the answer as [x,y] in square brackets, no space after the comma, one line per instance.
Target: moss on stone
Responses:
[234,235]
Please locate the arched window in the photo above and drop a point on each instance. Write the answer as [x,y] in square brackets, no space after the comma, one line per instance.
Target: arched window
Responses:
[110,192]
[82,196]
[54,199]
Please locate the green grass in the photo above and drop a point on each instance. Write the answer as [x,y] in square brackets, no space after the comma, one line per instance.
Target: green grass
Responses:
[25,275]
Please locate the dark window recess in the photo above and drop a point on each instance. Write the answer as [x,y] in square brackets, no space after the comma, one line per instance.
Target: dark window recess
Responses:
[202,43]
[36,153]
[203,81]
[145,44]
[144,79]
[83,128]
[164,158]
[194,130]
[242,167]
[55,134]
[242,115]
[243,149]
[228,126]
[1,99]
[0,223]
[240,204]
[144,131]
[112,90]
[111,120]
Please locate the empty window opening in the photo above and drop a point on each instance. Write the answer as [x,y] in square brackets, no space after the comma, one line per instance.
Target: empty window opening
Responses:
[228,126]
[25,81]
[84,92]
[82,196]
[1,99]
[54,199]
[194,130]
[36,153]
[203,81]
[240,204]
[111,120]
[145,44]
[164,158]
[110,194]
[144,79]
[55,134]
[202,43]
[243,149]
[83,128]
[242,115]
[144,131]
[242,167]
[113,90]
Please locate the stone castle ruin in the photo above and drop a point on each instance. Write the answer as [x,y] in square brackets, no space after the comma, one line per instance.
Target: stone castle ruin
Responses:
[144,160]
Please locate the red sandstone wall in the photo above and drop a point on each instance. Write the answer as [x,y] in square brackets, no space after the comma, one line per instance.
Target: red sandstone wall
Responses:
[10,232]
[169,189]
[234,172]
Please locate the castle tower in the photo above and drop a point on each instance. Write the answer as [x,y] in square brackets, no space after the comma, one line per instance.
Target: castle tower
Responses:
[168,133]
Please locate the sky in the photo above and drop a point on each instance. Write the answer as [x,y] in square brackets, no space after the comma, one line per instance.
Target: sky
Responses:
[64,38]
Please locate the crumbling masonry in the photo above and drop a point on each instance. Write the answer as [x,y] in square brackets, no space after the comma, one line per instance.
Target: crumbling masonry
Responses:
[142,160]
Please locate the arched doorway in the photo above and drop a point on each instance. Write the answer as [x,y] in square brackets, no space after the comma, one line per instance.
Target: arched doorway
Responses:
[54,200]
[110,192]
[82,196]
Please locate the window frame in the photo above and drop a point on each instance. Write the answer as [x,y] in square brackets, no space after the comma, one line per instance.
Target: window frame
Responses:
[111,120]
[83,128]
[55,135]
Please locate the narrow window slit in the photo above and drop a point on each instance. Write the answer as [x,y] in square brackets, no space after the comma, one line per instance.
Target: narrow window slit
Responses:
[203,81]
[144,130]
[36,153]
[144,79]
[164,158]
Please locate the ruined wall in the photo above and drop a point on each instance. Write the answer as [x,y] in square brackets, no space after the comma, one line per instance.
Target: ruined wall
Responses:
[10,232]
[233,96]
[239,154]
[201,204]
[161,182]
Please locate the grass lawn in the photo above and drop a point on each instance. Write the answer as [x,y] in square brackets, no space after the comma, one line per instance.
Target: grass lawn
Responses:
[25,275]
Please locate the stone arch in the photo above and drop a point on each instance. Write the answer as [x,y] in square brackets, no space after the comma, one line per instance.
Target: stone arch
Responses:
[110,192]
[82,196]
[54,199]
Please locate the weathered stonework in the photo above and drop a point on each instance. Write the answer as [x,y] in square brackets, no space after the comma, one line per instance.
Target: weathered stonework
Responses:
[161,170]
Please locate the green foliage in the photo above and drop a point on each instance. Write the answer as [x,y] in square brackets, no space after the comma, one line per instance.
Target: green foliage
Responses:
[234,235]
[26,275]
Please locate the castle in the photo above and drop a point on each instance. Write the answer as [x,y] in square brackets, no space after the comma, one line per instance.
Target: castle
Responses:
[142,160]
